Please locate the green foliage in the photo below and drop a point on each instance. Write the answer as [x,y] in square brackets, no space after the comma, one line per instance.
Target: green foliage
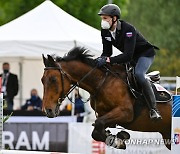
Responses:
[11,9]
[5,107]
[159,22]
[86,11]
[168,63]
[7,117]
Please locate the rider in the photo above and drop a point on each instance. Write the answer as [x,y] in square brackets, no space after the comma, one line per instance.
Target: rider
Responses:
[133,45]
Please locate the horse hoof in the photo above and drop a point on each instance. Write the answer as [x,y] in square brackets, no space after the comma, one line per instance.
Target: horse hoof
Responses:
[110,140]
[123,135]
[96,135]
[107,132]
[119,144]
[115,142]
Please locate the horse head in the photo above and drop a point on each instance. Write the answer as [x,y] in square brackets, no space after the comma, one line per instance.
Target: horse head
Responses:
[59,74]
[55,84]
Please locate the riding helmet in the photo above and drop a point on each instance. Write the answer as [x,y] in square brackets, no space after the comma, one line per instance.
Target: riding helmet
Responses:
[111,10]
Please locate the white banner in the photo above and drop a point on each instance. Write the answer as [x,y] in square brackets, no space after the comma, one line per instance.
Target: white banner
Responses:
[80,141]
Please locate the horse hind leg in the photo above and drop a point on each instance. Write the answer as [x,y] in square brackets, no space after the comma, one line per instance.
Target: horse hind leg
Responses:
[167,140]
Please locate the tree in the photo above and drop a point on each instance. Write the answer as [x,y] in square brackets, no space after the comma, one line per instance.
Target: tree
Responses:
[87,11]
[158,21]
[11,9]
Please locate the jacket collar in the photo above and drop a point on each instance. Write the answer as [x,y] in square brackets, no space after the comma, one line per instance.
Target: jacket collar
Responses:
[118,25]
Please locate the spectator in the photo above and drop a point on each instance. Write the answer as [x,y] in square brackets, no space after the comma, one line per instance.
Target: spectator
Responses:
[9,85]
[80,110]
[34,103]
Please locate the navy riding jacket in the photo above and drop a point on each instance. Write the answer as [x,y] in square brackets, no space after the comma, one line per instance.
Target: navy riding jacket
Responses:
[129,41]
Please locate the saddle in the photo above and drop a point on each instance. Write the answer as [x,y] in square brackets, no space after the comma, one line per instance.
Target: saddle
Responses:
[161,94]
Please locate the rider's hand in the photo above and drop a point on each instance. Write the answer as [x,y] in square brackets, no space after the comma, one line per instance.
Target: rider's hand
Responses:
[100,61]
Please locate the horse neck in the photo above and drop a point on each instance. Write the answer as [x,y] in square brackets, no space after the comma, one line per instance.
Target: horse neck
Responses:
[77,70]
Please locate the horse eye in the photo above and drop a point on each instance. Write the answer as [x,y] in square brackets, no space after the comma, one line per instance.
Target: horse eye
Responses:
[52,79]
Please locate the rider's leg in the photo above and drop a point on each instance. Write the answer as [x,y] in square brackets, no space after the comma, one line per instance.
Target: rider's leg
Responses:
[150,99]
[141,68]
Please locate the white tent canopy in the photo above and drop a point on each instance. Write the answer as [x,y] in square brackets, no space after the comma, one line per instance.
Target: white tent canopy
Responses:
[46,29]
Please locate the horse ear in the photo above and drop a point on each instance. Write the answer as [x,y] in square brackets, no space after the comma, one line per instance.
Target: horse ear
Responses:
[51,61]
[45,61]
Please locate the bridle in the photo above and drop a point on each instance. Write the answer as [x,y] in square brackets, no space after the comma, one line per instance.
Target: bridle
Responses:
[63,76]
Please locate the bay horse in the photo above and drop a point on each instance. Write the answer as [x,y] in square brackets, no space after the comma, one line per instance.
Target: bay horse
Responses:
[110,96]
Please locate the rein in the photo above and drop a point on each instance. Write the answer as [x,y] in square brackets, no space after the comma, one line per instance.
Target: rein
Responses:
[63,75]
[76,85]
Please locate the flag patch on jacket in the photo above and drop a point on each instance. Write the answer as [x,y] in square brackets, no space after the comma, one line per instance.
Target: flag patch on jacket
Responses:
[129,34]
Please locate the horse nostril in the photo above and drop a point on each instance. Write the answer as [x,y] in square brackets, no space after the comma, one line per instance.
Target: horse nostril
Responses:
[48,111]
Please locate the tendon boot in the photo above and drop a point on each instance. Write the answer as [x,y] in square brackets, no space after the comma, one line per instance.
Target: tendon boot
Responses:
[150,100]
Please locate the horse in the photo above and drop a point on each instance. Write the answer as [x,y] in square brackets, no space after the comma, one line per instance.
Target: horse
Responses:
[110,96]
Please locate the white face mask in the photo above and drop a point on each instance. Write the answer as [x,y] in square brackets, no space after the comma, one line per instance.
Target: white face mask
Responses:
[105,24]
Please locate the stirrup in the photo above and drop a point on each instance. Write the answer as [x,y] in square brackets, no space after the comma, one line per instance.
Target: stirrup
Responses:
[154,114]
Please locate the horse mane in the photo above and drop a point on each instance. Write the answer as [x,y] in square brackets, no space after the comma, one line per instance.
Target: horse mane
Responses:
[80,54]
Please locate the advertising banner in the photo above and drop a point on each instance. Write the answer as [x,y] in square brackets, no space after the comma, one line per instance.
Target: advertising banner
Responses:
[176,124]
[36,136]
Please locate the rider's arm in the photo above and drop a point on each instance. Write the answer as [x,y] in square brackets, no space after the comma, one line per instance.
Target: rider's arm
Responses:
[129,47]
[107,45]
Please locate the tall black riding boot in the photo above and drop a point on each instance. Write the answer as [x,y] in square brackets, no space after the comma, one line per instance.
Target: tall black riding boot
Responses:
[150,100]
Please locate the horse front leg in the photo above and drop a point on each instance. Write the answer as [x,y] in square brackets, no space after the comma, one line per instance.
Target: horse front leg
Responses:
[116,116]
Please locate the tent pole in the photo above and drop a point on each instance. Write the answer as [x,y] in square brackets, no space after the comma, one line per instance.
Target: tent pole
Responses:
[110,1]
[75,43]
[73,106]
[20,82]
[73,92]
